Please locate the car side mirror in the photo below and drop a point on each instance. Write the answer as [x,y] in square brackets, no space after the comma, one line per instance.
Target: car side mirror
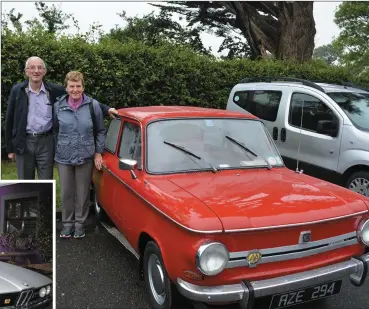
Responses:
[127,164]
[327,127]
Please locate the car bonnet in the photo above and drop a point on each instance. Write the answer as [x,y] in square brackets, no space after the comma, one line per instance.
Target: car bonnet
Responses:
[15,278]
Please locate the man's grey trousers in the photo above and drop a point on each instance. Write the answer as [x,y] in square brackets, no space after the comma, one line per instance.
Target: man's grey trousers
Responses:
[38,154]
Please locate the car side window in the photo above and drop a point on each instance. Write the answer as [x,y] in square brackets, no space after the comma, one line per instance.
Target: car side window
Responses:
[111,138]
[261,103]
[130,146]
[311,110]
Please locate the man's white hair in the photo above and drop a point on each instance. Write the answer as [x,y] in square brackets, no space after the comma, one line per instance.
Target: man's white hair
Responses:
[35,58]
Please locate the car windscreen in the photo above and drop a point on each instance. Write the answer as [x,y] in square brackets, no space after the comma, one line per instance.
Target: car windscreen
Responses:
[181,145]
[356,107]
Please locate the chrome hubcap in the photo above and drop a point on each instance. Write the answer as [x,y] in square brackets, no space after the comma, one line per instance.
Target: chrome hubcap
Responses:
[156,279]
[360,185]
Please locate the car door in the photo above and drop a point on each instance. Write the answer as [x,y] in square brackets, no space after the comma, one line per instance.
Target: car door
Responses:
[126,184]
[105,180]
[263,102]
[316,148]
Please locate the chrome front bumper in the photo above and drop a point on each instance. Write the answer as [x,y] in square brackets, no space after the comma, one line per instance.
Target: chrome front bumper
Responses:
[245,292]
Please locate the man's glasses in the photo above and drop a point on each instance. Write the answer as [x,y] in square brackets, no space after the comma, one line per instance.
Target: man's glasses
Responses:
[33,68]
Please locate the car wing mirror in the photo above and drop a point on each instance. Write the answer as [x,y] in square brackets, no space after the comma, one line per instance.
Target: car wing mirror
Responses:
[127,164]
[327,127]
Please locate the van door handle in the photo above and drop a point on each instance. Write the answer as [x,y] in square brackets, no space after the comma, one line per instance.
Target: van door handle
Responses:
[283,134]
[275,133]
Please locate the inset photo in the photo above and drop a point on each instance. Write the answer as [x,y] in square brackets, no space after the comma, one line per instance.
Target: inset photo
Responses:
[26,244]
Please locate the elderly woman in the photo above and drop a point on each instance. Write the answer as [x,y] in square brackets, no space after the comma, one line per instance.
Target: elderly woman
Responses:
[79,138]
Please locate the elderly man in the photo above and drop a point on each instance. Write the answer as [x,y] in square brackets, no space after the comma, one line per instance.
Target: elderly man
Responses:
[28,122]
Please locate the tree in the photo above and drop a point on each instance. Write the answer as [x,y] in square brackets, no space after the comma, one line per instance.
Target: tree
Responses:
[154,29]
[353,41]
[285,29]
[327,53]
[15,21]
[53,18]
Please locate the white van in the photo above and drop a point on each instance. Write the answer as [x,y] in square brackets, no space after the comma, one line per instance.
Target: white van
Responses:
[322,129]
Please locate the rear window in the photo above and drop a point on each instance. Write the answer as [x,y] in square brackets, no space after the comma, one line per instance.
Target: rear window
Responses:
[262,103]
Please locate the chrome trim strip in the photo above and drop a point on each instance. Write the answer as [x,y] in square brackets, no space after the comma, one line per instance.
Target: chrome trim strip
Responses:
[118,235]
[264,228]
[303,250]
[157,209]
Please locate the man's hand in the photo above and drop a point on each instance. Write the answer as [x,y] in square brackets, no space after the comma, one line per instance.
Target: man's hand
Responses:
[112,111]
[98,161]
[11,156]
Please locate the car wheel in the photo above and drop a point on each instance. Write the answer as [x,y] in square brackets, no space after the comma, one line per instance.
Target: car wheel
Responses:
[359,182]
[156,279]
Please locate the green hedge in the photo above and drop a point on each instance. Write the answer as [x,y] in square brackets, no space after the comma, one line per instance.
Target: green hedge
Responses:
[135,74]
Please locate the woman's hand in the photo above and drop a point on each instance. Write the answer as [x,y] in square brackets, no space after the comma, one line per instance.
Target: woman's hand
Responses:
[98,160]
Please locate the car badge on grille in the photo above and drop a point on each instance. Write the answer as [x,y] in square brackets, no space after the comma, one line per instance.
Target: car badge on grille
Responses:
[253,258]
[25,283]
[305,237]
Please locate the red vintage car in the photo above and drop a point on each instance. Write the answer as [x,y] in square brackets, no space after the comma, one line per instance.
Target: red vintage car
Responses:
[202,198]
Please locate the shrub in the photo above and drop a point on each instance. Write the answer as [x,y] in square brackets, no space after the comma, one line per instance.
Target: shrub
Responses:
[134,74]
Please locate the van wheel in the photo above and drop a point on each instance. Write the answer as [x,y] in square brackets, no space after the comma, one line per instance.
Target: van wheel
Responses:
[156,278]
[359,182]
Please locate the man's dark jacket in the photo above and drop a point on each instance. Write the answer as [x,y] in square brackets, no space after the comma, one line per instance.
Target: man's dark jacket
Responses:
[17,112]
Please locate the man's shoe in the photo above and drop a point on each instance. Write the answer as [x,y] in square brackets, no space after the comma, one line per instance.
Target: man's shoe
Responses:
[67,232]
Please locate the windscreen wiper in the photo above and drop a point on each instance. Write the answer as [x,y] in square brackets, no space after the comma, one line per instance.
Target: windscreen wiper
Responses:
[185,150]
[248,150]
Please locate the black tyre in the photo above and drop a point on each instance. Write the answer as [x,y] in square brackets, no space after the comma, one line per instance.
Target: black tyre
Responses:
[359,182]
[156,278]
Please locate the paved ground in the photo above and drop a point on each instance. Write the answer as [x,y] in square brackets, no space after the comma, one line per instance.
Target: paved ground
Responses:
[98,272]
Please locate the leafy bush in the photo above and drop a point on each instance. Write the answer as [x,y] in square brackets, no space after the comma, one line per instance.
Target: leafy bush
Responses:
[134,74]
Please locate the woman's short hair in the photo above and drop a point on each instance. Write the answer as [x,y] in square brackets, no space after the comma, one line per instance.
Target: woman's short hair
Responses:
[74,76]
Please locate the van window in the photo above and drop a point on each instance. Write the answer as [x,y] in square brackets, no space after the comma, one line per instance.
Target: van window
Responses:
[261,103]
[313,109]
[356,107]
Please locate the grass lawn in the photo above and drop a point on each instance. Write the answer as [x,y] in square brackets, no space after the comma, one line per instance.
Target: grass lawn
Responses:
[9,172]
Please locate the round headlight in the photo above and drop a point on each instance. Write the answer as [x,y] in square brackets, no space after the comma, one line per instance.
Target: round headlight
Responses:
[212,258]
[363,232]
[48,290]
[42,292]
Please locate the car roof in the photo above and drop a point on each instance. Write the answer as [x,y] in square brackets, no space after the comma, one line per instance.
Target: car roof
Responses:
[300,83]
[145,114]
[340,88]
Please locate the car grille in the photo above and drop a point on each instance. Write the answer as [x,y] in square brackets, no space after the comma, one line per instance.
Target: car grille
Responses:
[24,297]
[285,253]
[31,297]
